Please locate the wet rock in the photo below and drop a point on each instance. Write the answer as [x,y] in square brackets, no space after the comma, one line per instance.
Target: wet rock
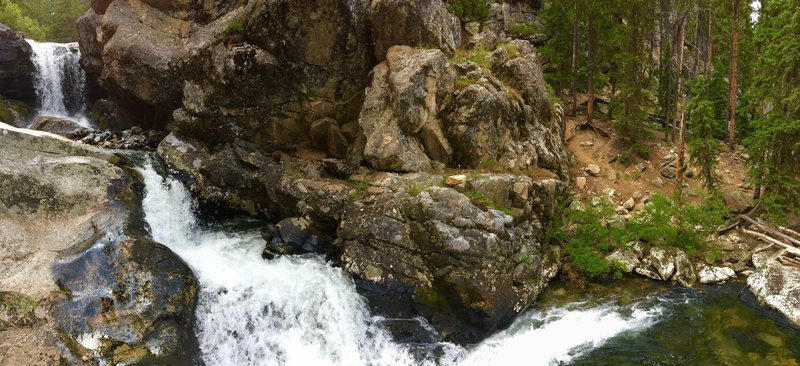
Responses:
[710,274]
[16,67]
[776,285]
[60,126]
[99,283]
[468,266]
[425,24]
[593,170]
[301,236]
[15,113]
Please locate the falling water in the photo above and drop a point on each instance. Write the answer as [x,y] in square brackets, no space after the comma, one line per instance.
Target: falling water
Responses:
[60,81]
[303,311]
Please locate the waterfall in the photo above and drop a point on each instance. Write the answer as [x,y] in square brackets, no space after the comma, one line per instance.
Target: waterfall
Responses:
[60,81]
[303,311]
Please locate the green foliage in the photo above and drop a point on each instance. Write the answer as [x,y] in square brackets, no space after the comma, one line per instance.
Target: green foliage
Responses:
[479,56]
[489,164]
[235,28]
[55,19]
[594,232]
[12,15]
[359,189]
[470,10]
[774,144]
[522,29]
[703,148]
[641,150]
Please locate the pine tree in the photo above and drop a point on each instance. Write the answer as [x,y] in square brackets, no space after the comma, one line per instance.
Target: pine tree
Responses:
[774,144]
[703,148]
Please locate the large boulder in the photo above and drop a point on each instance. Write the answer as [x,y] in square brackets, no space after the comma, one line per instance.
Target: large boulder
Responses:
[73,247]
[425,24]
[400,116]
[453,256]
[16,67]
[776,285]
[60,126]
[505,115]
[15,112]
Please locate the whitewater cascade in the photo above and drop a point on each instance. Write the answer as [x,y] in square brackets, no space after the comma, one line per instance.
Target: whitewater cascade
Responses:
[60,81]
[303,311]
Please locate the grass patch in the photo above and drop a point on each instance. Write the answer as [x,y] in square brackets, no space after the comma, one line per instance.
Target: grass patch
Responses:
[483,202]
[511,48]
[358,192]
[479,56]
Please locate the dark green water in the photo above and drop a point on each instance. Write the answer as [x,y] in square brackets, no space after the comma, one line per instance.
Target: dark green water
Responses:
[708,325]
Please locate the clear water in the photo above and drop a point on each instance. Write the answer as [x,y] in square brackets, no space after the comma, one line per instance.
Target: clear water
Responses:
[60,81]
[303,311]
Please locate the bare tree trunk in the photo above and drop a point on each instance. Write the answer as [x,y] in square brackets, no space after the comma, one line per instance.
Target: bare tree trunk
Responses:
[709,45]
[575,65]
[679,106]
[590,65]
[733,86]
[697,36]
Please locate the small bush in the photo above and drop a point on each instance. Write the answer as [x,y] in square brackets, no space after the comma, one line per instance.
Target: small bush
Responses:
[235,28]
[522,29]
[643,151]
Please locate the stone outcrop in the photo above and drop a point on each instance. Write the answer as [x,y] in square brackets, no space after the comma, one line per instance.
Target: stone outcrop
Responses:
[16,67]
[424,24]
[73,248]
[467,266]
[400,116]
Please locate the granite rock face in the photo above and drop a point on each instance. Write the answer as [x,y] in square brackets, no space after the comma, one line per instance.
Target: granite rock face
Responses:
[16,67]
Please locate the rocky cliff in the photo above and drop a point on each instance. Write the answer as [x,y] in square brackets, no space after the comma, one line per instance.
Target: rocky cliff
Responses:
[428,171]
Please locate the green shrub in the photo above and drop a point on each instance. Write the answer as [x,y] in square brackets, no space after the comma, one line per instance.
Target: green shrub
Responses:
[470,10]
[235,28]
[592,233]
[641,150]
[522,29]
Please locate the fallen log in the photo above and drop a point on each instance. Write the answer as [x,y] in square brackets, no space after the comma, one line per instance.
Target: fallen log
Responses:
[789,248]
[773,232]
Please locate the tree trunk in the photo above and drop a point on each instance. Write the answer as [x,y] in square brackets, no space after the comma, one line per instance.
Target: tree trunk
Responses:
[733,86]
[575,66]
[709,44]
[680,106]
[679,41]
[590,64]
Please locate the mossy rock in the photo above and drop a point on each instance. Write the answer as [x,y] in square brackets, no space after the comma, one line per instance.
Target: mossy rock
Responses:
[17,310]
[15,113]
